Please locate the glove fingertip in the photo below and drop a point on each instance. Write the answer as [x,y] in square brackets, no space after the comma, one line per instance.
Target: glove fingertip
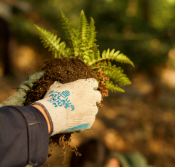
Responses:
[93,82]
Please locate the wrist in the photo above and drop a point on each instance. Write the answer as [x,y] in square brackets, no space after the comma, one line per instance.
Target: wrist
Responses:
[40,108]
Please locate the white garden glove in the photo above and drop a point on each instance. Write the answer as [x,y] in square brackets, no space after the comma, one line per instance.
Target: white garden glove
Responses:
[72,106]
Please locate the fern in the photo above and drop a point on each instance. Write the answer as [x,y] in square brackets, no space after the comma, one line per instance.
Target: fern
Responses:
[115,73]
[82,43]
[113,87]
[53,43]
[69,30]
[92,37]
[84,29]
[117,56]
[84,32]
[72,35]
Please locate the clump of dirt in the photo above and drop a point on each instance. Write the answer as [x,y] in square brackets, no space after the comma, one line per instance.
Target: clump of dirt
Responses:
[63,70]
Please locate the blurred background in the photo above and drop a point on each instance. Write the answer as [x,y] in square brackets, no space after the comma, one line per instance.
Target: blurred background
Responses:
[143,118]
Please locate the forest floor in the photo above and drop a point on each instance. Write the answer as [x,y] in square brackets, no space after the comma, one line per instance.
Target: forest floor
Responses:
[133,121]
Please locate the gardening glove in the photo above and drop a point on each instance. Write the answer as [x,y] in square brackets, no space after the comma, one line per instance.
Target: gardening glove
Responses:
[19,97]
[71,106]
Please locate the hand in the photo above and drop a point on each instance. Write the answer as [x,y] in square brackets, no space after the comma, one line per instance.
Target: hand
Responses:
[72,106]
[19,97]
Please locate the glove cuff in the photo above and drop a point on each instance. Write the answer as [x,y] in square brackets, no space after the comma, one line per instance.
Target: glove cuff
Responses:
[57,116]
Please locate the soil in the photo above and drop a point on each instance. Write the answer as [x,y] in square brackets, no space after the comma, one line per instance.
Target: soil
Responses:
[63,70]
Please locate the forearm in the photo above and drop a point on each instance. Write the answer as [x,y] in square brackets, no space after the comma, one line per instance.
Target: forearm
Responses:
[45,116]
[24,136]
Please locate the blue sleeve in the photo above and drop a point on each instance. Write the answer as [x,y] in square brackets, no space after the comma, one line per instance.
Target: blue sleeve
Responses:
[24,136]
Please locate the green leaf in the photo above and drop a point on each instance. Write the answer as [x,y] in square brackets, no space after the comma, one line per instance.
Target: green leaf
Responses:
[92,32]
[50,41]
[113,87]
[123,59]
[71,34]
[84,28]
[107,55]
[117,75]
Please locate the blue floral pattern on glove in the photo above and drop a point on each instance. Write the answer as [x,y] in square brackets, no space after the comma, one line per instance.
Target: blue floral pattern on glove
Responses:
[60,99]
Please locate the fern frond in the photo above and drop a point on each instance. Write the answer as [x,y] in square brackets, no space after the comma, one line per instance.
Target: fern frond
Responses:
[113,87]
[124,59]
[116,73]
[84,29]
[92,37]
[53,43]
[67,26]
[117,56]
[84,36]
[71,34]
[113,72]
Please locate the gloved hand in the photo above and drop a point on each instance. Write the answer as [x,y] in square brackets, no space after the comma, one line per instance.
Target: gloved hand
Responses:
[72,106]
[18,98]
